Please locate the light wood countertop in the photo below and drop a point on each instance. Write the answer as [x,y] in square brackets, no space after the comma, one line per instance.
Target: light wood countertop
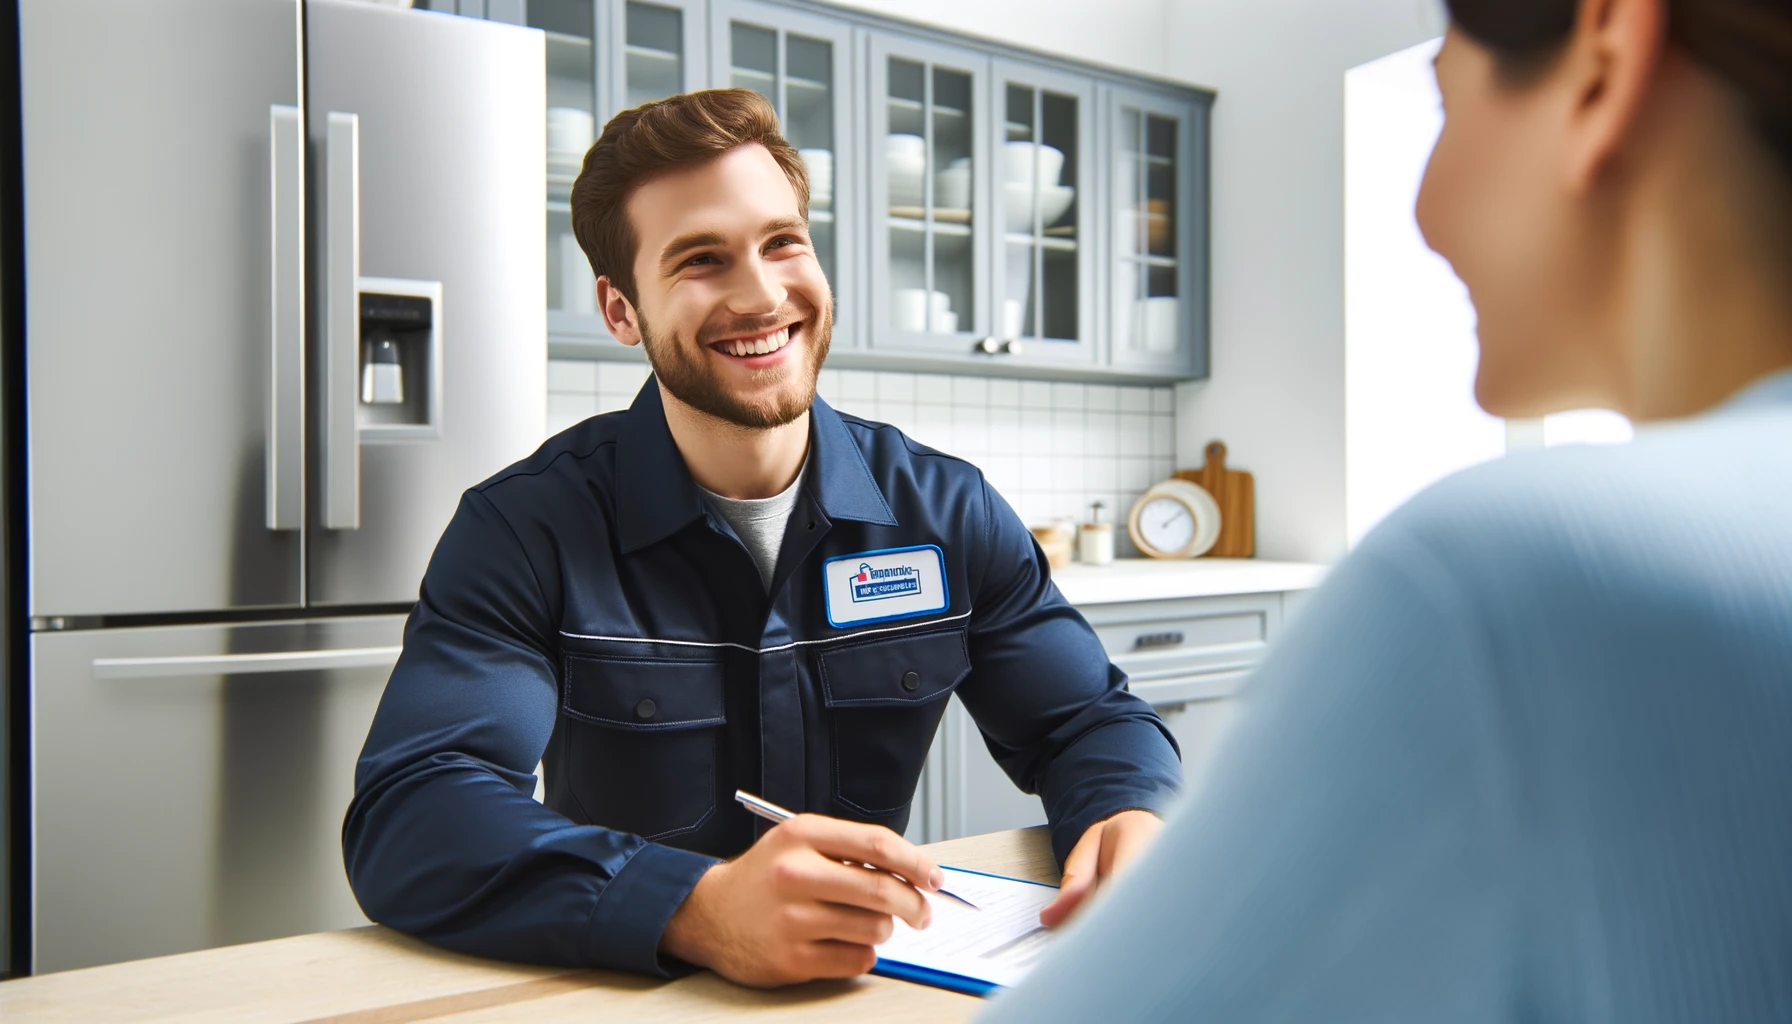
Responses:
[375,975]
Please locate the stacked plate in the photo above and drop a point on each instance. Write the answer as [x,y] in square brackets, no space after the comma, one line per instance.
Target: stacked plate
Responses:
[820,165]
[569,137]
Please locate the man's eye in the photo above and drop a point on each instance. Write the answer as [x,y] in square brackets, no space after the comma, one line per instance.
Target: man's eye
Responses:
[698,260]
[779,243]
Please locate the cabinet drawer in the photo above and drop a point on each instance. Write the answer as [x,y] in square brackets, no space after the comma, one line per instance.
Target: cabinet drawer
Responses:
[1162,641]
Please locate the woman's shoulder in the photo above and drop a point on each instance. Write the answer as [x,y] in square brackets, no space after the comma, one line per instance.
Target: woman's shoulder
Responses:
[1706,497]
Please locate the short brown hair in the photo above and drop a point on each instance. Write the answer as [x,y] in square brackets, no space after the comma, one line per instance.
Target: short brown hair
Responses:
[670,134]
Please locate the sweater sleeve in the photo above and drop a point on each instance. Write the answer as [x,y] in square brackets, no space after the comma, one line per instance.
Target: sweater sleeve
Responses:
[1347,857]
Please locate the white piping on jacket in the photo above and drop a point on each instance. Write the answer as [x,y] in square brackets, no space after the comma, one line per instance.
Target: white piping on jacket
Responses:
[763,650]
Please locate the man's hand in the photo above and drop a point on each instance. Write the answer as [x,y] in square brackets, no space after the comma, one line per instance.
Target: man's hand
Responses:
[789,910]
[1104,850]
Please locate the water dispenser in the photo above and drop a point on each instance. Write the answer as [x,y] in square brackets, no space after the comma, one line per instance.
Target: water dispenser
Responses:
[400,359]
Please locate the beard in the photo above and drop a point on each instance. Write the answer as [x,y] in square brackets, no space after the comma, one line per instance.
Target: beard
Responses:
[682,367]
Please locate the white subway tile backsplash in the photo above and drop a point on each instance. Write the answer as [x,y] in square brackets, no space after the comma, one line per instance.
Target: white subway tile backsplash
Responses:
[857,386]
[895,387]
[1050,449]
[970,391]
[575,376]
[1135,434]
[621,376]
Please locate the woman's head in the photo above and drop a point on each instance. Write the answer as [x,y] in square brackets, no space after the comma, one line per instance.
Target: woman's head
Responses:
[1605,167]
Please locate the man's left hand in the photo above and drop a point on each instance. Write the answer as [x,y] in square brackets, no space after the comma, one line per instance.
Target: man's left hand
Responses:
[1105,850]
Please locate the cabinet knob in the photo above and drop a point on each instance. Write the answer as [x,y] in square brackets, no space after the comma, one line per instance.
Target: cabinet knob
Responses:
[1012,348]
[990,346]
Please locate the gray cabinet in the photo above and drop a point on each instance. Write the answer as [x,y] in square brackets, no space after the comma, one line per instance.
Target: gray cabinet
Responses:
[984,209]
[1186,657]
[803,64]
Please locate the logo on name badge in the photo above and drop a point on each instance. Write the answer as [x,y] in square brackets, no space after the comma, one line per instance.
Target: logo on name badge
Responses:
[876,586]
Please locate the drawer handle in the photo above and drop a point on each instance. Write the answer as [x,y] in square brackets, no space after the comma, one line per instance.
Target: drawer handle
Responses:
[1149,641]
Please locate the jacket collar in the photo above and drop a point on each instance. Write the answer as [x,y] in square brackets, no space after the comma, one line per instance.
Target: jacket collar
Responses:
[656,496]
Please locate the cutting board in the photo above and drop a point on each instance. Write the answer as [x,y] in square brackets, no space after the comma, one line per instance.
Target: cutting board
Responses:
[1236,493]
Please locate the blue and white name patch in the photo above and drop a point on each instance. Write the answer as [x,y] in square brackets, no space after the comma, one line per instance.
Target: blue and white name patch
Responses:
[875,586]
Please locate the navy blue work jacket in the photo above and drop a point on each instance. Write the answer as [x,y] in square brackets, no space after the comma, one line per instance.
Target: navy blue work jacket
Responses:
[587,608]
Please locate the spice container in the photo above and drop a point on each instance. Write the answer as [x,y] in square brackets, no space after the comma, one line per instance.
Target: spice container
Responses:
[1095,541]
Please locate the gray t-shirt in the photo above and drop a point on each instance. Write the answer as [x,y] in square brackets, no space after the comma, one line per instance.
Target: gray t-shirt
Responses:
[760,522]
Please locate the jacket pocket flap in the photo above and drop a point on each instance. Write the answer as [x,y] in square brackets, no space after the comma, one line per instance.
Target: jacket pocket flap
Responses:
[643,694]
[894,673]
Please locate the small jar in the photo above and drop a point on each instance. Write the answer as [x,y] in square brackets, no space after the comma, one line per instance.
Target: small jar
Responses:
[1095,541]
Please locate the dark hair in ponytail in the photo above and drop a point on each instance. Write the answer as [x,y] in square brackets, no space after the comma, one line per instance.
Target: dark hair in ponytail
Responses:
[1747,42]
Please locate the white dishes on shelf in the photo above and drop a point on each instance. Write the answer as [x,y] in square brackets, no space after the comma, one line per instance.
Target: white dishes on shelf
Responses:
[1018,163]
[820,165]
[1053,201]
[952,186]
[570,130]
[912,306]
[905,159]
[1155,322]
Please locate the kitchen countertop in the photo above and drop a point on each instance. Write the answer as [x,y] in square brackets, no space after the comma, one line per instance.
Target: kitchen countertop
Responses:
[1151,579]
[374,975]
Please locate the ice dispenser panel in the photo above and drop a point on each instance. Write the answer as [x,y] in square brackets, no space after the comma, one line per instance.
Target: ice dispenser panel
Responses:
[400,359]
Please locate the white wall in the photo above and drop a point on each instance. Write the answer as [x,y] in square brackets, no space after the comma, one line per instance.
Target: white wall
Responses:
[1276,395]
[1410,349]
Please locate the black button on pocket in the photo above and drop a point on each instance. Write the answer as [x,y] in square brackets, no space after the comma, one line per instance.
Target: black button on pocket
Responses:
[884,701]
[642,741]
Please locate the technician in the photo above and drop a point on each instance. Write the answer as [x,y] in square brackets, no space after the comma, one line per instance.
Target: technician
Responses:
[729,585]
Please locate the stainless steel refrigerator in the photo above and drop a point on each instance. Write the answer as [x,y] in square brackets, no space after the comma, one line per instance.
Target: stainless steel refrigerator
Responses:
[284,303]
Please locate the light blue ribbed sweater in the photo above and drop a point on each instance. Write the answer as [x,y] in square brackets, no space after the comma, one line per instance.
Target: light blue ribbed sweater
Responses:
[1526,755]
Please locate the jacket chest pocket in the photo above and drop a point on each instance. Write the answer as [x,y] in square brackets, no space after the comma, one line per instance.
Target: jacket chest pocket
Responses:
[643,738]
[884,702]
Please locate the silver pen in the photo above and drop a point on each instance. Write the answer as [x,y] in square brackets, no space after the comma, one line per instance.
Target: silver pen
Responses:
[772,812]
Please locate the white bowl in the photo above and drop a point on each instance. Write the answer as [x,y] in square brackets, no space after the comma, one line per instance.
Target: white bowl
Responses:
[952,187]
[911,146]
[1053,201]
[1018,167]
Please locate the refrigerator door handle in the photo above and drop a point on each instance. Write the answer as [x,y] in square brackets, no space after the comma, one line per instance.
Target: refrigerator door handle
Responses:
[341,463]
[286,358]
[245,664]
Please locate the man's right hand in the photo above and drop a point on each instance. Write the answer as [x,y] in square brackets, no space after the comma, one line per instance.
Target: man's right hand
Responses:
[789,910]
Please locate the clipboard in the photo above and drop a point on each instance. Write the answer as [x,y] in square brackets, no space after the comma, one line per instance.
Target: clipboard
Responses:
[973,952]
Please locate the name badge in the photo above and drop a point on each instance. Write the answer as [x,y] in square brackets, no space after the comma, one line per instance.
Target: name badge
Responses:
[876,586]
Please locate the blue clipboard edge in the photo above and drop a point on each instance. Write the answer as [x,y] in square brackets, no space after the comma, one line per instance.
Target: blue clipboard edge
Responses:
[946,979]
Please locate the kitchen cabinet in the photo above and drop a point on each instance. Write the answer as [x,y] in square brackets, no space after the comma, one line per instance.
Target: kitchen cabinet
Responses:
[803,64]
[1186,656]
[978,208]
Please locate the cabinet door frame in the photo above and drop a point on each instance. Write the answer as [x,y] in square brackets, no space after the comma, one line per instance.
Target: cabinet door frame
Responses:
[847,207]
[880,333]
[612,40]
[1085,349]
[1189,360]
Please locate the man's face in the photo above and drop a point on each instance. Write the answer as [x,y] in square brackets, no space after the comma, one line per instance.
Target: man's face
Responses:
[732,305]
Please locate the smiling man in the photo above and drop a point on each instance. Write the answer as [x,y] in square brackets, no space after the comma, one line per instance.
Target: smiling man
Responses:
[729,585]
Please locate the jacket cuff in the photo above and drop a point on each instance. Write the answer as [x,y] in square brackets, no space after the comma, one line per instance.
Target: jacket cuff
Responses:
[1067,832]
[632,912]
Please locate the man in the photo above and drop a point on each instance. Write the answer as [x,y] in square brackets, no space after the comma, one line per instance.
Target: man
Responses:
[728,585]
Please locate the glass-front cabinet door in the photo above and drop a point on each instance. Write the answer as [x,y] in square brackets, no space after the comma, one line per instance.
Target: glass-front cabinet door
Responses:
[1043,198]
[1157,257]
[802,64]
[662,52]
[930,156]
[569,26]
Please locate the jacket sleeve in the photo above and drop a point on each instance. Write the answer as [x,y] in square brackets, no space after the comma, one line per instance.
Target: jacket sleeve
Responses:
[443,839]
[1053,710]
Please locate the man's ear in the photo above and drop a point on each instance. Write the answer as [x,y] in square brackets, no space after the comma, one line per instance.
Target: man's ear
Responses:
[619,313]
[1619,46]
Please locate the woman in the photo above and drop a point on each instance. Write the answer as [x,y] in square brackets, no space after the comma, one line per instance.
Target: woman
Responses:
[1528,753]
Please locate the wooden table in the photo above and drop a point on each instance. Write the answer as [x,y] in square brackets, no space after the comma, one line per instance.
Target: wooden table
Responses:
[374,975]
